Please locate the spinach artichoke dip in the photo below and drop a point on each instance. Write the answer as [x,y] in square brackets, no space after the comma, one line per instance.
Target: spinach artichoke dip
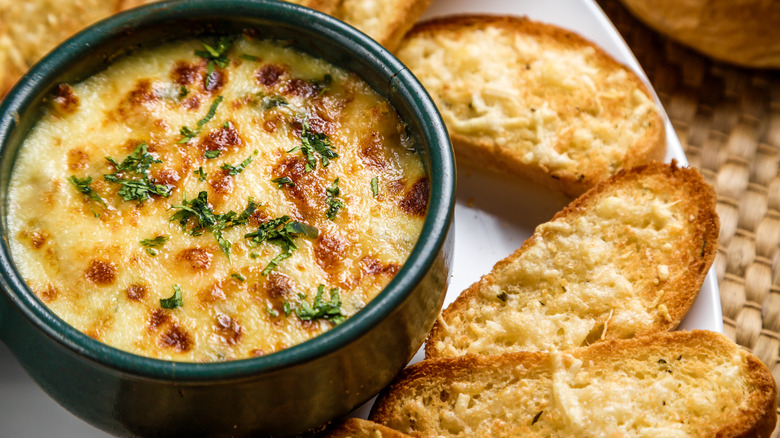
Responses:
[213,200]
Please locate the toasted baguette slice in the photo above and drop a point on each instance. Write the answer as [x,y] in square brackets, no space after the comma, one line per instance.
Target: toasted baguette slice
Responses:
[534,100]
[386,21]
[677,384]
[625,259]
[359,428]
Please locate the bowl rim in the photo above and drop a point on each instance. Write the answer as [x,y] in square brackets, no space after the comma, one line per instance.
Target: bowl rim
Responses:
[436,225]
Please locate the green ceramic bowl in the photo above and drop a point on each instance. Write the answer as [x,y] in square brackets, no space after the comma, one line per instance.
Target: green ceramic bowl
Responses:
[280,394]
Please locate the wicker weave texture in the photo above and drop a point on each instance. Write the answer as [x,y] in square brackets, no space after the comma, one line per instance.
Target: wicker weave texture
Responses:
[728,121]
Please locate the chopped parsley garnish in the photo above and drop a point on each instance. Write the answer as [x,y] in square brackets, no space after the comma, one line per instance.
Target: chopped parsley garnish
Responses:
[375,186]
[198,212]
[137,164]
[201,174]
[83,186]
[174,301]
[281,232]
[287,308]
[183,92]
[188,133]
[151,252]
[157,241]
[334,204]
[212,154]
[248,57]
[238,277]
[216,55]
[324,84]
[329,310]
[283,181]
[238,168]
[270,102]
[315,142]
[271,312]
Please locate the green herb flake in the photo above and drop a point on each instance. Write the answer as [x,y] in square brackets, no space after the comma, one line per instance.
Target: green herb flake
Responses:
[157,241]
[254,255]
[270,102]
[216,55]
[183,92]
[212,154]
[271,311]
[238,277]
[334,204]
[174,301]
[287,307]
[238,168]
[281,232]
[201,174]
[375,186]
[314,143]
[283,181]
[133,175]
[188,133]
[248,57]
[151,252]
[83,185]
[320,309]
[199,217]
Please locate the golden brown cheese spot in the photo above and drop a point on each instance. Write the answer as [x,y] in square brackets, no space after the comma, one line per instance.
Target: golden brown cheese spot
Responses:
[36,237]
[142,94]
[198,259]
[320,125]
[304,193]
[269,74]
[279,285]
[135,292]
[169,177]
[49,294]
[228,329]
[415,201]
[222,182]
[77,159]
[329,251]
[212,294]
[157,319]
[221,139]
[215,80]
[100,272]
[371,152]
[301,88]
[191,103]
[176,337]
[65,100]
[372,266]
[185,73]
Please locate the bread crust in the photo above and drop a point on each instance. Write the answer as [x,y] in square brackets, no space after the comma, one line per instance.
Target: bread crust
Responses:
[754,415]
[487,150]
[717,28]
[359,428]
[695,196]
[388,24]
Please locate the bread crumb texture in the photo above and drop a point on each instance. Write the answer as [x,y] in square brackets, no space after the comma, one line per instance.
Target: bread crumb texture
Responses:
[680,384]
[625,259]
[517,94]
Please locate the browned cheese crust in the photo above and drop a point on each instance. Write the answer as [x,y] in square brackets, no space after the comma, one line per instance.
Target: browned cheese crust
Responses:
[677,379]
[665,274]
[526,74]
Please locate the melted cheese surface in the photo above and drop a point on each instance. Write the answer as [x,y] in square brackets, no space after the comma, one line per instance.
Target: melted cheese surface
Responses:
[82,255]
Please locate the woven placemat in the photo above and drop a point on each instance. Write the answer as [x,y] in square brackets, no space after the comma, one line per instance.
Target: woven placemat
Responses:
[728,121]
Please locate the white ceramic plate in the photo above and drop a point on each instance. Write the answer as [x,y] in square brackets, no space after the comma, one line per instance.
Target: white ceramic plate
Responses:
[493,217]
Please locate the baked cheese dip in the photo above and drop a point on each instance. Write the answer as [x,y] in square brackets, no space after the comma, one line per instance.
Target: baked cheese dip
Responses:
[214,200]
